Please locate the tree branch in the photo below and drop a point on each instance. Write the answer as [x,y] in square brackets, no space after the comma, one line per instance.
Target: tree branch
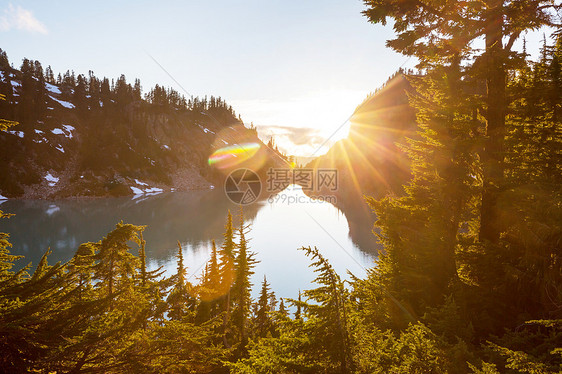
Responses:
[512,40]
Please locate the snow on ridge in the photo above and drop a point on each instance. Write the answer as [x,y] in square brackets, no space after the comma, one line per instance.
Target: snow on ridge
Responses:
[154,190]
[52,88]
[59,148]
[16,133]
[16,83]
[51,179]
[137,191]
[3,198]
[205,130]
[166,147]
[146,191]
[67,132]
[65,104]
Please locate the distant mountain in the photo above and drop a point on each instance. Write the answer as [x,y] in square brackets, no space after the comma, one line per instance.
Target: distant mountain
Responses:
[84,136]
[369,161]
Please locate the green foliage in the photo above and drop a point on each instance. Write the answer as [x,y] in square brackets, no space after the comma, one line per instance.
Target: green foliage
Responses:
[244,262]
[414,350]
[264,323]
[180,300]
[103,311]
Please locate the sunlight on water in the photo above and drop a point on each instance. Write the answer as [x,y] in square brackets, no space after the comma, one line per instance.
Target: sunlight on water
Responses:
[284,223]
[287,221]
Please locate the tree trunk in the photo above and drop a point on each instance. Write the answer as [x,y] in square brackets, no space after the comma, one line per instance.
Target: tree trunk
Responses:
[225,321]
[493,155]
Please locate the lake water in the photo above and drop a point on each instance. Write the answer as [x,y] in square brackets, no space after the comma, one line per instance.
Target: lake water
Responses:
[278,227]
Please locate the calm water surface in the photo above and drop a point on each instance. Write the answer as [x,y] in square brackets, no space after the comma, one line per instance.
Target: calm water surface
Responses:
[278,227]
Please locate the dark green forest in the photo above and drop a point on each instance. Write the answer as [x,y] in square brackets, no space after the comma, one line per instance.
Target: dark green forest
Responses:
[469,279]
[99,135]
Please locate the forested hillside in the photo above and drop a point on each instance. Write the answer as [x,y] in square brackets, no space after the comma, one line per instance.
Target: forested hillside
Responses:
[86,136]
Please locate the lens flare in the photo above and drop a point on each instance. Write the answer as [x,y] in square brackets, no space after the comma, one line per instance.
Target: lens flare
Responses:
[233,155]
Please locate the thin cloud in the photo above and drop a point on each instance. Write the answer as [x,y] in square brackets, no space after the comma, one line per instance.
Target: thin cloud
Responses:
[293,140]
[20,19]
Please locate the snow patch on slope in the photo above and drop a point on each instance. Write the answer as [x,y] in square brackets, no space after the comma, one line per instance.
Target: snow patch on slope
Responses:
[205,130]
[146,191]
[65,104]
[16,133]
[52,88]
[52,180]
[66,131]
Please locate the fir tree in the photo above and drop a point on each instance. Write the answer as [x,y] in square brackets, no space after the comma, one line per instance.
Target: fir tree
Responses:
[243,265]
[115,266]
[263,321]
[435,31]
[180,300]
[226,255]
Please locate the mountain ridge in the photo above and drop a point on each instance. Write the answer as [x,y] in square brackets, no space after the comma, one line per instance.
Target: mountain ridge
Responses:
[84,137]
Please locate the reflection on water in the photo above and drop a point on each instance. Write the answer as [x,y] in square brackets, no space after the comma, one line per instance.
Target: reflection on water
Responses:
[278,228]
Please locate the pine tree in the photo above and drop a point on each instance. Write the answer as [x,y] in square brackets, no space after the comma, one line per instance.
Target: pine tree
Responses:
[282,311]
[325,317]
[180,300]
[82,265]
[79,97]
[420,230]
[7,277]
[115,266]
[433,31]
[226,269]
[263,320]
[298,313]
[243,265]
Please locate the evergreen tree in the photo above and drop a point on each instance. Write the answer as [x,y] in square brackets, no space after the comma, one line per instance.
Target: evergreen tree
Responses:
[434,31]
[243,265]
[226,255]
[180,300]
[115,266]
[326,317]
[263,320]
[79,97]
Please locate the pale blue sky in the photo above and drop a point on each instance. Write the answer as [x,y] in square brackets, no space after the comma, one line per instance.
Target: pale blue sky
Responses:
[302,63]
